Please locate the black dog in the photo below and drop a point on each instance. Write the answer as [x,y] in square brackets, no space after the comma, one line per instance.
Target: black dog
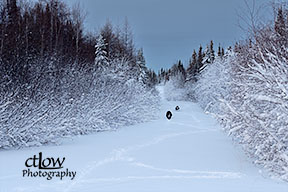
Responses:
[169,115]
[177,108]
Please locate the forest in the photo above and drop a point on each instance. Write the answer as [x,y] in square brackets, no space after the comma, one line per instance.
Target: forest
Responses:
[245,87]
[58,81]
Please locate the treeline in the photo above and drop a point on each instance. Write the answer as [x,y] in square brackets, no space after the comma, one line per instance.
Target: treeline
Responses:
[34,32]
[245,88]
[197,63]
[248,93]
[57,81]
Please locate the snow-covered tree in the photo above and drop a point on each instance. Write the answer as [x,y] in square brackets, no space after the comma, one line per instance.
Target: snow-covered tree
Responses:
[65,91]
[247,92]
[142,69]
[222,52]
[101,60]
[209,55]
[212,52]
[200,60]
[192,68]
[280,23]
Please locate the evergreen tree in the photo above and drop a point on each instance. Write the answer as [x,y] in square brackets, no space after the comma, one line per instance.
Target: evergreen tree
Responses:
[153,80]
[180,74]
[101,60]
[206,56]
[142,71]
[280,23]
[209,55]
[199,63]
[222,52]
[108,36]
[161,75]
[219,51]
[211,52]
[192,68]
[182,70]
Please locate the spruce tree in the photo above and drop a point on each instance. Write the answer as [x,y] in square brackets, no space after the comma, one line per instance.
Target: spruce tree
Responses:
[199,63]
[219,51]
[280,23]
[181,75]
[192,68]
[152,78]
[206,55]
[101,60]
[181,69]
[142,69]
[222,52]
[108,36]
[212,52]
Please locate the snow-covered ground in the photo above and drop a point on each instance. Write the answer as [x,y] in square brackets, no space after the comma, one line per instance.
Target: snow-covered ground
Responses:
[188,153]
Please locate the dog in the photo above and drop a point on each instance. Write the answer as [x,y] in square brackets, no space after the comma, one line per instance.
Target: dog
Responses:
[169,115]
[177,108]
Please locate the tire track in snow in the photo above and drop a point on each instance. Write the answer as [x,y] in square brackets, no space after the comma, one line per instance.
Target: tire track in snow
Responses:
[152,177]
[208,174]
[122,154]
[159,139]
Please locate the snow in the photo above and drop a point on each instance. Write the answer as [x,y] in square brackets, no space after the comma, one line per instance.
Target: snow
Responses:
[188,153]
[246,93]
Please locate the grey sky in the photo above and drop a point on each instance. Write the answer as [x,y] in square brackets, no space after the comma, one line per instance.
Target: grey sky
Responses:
[169,30]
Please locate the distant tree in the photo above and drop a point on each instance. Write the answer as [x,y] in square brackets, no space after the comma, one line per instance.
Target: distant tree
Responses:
[236,47]
[192,67]
[101,60]
[142,69]
[177,73]
[12,31]
[47,28]
[108,35]
[182,70]
[209,55]
[222,52]
[219,51]
[78,18]
[3,23]
[280,23]
[39,27]
[199,60]
[161,75]
[34,33]
[152,77]
[212,52]
[26,35]
[127,39]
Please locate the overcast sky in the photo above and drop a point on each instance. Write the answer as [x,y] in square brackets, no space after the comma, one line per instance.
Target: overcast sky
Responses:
[169,30]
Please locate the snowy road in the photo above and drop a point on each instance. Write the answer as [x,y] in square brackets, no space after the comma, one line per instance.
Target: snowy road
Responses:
[188,153]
